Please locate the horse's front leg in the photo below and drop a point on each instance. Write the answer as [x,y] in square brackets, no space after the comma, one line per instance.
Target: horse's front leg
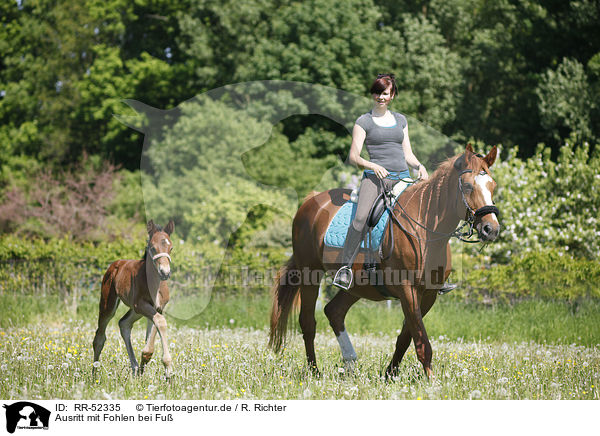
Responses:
[148,350]
[413,328]
[405,337]
[160,323]
[125,325]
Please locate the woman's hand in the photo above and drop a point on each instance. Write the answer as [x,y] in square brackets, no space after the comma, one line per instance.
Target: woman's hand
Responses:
[380,171]
[423,175]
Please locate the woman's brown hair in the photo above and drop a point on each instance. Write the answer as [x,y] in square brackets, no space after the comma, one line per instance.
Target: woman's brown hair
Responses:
[382,82]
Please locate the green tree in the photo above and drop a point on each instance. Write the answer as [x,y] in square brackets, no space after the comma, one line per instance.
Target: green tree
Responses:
[195,173]
[565,104]
[65,66]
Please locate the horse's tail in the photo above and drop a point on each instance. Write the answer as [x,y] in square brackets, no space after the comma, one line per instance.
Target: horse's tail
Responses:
[284,294]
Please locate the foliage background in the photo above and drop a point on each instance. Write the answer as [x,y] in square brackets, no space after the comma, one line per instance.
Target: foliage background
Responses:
[524,75]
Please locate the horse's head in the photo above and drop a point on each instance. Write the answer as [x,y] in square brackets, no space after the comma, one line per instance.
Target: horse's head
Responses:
[159,247]
[476,187]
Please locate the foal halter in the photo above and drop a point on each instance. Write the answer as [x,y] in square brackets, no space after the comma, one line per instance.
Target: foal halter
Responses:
[156,256]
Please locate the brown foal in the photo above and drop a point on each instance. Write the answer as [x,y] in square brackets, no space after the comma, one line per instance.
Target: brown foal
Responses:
[142,286]
[424,220]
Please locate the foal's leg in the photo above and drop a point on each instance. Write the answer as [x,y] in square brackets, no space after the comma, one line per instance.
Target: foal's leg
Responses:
[404,337]
[108,306]
[125,325]
[336,311]
[160,325]
[308,324]
[148,350]
[413,319]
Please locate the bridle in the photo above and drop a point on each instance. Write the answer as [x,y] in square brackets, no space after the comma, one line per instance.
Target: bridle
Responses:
[470,218]
[471,215]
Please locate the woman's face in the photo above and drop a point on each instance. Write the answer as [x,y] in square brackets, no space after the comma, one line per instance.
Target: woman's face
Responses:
[384,98]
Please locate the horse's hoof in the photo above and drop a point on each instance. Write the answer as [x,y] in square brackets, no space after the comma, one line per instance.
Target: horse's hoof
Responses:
[313,370]
[390,374]
[349,367]
[169,374]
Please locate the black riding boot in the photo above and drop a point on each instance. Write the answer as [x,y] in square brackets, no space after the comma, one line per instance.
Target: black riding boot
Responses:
[343,277]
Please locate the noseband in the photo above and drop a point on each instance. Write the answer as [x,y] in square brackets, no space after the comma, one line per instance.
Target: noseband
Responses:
[156,256]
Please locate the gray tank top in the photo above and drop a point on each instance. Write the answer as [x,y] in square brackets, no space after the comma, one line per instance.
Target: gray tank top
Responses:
[384,144]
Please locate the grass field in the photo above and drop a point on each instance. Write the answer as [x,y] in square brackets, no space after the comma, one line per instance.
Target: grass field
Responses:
[532,350]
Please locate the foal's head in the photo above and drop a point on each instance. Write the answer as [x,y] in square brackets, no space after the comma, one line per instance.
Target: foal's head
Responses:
[159,247]
[477,190]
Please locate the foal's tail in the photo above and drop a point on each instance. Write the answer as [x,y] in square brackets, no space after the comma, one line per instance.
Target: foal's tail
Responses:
[285,292]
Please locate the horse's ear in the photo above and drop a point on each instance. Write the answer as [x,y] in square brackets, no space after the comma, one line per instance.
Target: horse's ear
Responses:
[461,163]
[151,227]
[169,227]
[491,156]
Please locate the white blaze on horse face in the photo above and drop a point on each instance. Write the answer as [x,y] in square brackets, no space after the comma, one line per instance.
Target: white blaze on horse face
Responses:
[348,352]
[483,181]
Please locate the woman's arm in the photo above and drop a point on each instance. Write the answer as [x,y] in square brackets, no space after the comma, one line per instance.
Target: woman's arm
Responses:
[358,140]
[411,159]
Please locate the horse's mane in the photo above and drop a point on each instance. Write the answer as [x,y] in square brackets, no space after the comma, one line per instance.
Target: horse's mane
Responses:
[431,188]
[438,177]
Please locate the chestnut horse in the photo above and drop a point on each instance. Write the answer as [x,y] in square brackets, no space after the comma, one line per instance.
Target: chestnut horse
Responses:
[141,285]
[423,221]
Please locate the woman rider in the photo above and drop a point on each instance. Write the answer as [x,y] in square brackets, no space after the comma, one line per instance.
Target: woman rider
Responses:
[385,134]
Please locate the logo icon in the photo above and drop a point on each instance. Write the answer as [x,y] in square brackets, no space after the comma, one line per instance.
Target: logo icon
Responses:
[26,415]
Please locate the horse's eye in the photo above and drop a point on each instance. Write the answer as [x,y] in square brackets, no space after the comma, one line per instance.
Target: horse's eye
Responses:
[482,173]
[468,188]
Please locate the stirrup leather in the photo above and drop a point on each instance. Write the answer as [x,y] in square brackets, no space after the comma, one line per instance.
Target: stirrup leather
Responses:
[337,279]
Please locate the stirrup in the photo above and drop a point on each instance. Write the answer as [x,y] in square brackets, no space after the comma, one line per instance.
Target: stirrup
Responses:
[447,287]
[337,280]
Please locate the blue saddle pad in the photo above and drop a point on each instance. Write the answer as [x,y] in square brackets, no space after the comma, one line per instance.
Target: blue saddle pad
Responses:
[335,236]
[336,232]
